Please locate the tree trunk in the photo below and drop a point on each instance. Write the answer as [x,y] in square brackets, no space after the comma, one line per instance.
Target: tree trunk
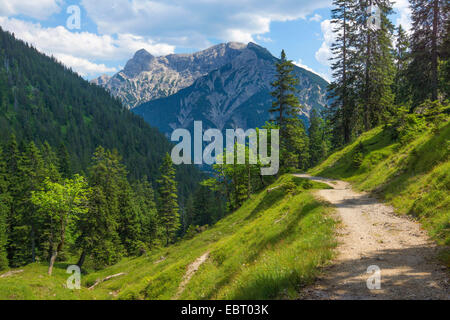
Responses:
[82,258]
[434,53]
[33,246]
[52,262]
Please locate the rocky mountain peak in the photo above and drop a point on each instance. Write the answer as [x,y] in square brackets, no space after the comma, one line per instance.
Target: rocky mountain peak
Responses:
[140,62]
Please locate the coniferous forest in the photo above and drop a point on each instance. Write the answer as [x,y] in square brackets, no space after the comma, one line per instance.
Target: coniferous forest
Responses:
[62,135]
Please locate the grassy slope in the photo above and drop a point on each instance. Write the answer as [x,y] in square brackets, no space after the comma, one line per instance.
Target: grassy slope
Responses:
[266,249]
[414,177]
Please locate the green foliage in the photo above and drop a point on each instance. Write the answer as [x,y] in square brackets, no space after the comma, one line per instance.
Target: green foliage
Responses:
[60,205]
[358,156]
[429,31]
[318,139]
[4,209]
[411,173]
[286,108]
[168,211]
[402,55]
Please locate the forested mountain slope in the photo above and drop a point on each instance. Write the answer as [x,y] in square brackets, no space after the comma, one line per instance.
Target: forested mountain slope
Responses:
[41,100]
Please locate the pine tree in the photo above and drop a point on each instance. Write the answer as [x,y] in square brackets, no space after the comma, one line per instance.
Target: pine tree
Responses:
[344,66]
[375,54]
[51,163]
[445,58]
[168,205]
[25,222]
[318,140]
[4,209]
[145,198]
[64,161]
[286,108]
[402,58]
[99,228]
[428,31]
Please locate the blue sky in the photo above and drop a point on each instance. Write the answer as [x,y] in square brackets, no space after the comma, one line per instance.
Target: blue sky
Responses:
[112,30]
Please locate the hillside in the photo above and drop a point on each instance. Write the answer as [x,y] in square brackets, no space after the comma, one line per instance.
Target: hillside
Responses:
[411,173]
[41,100]
[269,248]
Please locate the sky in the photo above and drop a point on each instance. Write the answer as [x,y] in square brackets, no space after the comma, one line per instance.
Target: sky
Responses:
[96,37]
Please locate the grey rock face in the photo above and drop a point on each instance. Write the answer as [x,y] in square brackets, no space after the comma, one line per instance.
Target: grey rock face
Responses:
[146,77]
[236,95]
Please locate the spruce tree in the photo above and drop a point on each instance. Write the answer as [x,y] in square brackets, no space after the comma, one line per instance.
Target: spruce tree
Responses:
[375,54]
[64,161]
[99,228]
[168,214]
[145,199]
[402,56]
[429,18]
[4,209]
[318,140]
[25,222]
[344,65]
[286,108]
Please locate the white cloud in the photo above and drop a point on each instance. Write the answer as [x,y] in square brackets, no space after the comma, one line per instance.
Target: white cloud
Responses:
[82,44]
[190,23]
[81,50]
[83,66]
[38,9]
[404,12]
[317,17]
[324,53]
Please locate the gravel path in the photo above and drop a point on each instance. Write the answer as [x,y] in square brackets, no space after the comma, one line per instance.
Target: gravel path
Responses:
[370,234]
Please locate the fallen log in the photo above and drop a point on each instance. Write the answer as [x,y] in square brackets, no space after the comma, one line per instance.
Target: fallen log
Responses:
[10,273]
[106,279]
[271,189]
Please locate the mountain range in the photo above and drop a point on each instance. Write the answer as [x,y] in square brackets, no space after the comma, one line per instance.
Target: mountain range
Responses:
[225,86]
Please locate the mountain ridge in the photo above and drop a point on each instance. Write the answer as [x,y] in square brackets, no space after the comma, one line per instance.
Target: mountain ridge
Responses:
[146,77]
[235,95]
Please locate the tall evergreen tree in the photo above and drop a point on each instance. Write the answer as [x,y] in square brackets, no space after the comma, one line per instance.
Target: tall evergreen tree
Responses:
[286,108]
[168,211]
[429,18]
[25,221]
[99,227]
[4,210]
[344,65]
[375,54]
[64,161]
[445,59]
[318,140]
[145,198]
[402,58]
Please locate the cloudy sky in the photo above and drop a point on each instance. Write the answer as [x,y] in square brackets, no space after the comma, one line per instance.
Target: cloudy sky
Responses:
[110,31]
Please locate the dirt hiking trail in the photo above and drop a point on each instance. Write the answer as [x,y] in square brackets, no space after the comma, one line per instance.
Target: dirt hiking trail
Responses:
[370,234]
[191,270]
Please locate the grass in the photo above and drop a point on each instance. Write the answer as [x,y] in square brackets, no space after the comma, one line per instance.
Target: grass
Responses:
[414,177]
[269,248]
